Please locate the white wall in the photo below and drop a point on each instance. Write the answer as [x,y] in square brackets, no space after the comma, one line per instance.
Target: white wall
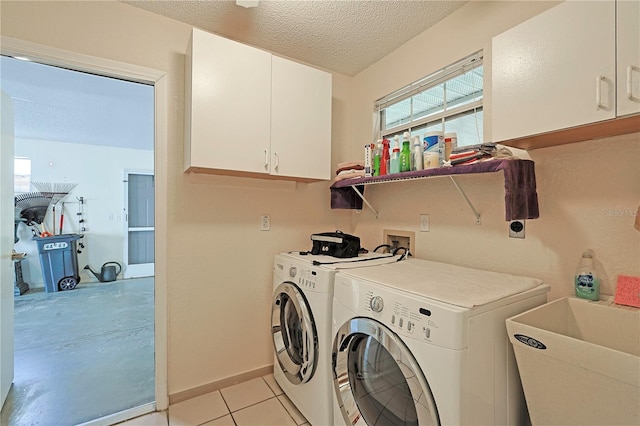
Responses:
[98,172]
[588,191]
[219,263]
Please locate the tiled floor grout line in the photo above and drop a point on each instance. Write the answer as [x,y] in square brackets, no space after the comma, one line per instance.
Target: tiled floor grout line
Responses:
[254,404]
[231,413]
[287,411]
[228,409]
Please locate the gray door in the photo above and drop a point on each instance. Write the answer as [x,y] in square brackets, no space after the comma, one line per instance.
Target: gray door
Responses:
[139,222]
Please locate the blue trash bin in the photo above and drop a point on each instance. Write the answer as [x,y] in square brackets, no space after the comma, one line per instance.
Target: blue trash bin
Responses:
[59,261]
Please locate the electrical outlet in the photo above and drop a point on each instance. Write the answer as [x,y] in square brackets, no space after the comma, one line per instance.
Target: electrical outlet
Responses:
[516,229]
[424,223]
[265,222]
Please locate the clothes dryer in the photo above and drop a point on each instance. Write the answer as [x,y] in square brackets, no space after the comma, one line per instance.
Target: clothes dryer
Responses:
[425,343]
[301,327]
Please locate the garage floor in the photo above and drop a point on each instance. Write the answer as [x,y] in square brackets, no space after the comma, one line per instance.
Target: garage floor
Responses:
[82,354]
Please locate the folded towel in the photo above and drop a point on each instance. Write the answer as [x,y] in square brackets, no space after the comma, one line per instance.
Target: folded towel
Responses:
[349,167]
[350,164]
[349,174]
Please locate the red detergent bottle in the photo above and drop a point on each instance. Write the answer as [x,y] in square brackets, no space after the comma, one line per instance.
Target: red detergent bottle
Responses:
[384,162]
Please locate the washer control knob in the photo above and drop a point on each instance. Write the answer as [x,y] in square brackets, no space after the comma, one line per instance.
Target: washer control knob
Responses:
[293,271]
[376,304]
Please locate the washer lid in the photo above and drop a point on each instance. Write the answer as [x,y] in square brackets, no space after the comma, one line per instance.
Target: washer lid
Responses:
[452,284]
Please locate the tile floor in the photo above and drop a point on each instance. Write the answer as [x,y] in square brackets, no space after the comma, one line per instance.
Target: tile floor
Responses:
[255,402]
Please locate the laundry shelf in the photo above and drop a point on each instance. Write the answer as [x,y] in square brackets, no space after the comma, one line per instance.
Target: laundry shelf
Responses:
[521,199]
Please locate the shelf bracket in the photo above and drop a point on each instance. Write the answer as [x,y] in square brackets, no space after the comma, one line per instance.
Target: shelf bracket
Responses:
[475,212]
[365,200]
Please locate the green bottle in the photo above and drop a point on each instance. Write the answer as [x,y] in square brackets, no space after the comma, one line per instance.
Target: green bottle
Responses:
[405,154]
[377,158]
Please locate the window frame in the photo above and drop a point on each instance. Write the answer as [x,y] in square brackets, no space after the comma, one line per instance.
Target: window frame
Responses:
[20,180]
[439,77]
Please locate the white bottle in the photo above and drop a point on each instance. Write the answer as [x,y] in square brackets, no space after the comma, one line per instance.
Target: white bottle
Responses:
[450,143]
[418,154]
[433,149]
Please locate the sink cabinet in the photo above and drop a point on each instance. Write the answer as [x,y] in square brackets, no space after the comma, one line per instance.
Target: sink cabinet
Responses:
[250,113]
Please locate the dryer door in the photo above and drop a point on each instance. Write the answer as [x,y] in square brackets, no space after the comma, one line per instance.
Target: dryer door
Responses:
[295,338]
[377,380]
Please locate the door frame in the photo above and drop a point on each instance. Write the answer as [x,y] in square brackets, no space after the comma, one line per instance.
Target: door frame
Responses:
[110,68]
[7,348]
[139,270]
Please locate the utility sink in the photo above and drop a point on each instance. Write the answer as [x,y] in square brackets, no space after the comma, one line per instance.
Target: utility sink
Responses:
[579,362]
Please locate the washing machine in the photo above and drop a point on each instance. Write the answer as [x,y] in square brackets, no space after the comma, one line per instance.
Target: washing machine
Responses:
[425,343]
[301,327]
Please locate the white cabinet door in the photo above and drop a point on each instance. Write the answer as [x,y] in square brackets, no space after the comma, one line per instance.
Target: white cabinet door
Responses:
[554,71]
[300,121]
[228,102]
[628,51]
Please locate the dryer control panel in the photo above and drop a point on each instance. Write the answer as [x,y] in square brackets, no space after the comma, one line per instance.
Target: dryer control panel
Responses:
[306,276]
[407,315]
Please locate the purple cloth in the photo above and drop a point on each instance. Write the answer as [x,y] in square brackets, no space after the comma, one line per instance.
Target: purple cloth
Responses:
[520,196]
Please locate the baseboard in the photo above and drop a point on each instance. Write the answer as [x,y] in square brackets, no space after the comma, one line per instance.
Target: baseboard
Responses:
[220,384]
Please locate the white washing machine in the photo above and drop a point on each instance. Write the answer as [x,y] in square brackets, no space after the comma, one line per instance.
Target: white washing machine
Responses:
[425,343]
[301,328]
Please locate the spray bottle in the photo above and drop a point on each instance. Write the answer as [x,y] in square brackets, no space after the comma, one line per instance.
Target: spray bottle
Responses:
[395,160]
[386,158]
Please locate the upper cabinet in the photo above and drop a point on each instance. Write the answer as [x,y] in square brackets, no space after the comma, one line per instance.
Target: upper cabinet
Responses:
[628,52]
[300,120]
[250,113]
[558,70]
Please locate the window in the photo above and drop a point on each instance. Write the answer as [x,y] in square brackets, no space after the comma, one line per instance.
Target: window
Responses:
[449,100]
[21,175]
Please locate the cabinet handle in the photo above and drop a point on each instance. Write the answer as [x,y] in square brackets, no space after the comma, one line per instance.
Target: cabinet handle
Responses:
[630,70]
[266,159]
[277,161]
[599,92]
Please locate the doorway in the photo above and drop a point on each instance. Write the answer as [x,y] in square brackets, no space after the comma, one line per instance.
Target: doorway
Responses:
[130,73]
[139,189]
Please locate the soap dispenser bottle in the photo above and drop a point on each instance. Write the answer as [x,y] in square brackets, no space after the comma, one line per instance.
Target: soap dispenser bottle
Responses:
[587,282]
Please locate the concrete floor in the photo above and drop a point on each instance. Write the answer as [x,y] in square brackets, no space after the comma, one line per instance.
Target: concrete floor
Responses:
[82,354]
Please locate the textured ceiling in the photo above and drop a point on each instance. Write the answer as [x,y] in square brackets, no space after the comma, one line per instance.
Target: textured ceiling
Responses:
[56,104]
[345,36]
